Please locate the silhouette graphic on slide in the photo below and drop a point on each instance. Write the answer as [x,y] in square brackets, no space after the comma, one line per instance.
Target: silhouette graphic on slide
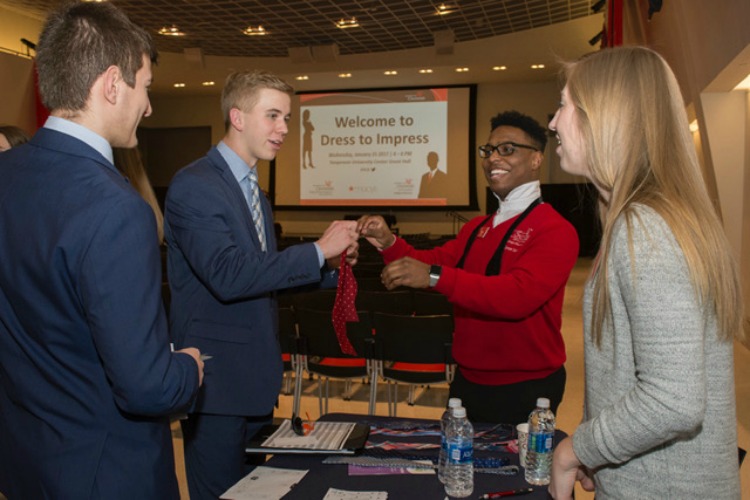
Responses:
[307,142]
[434,183]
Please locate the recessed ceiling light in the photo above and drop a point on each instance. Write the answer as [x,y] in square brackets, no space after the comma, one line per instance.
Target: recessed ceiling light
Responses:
[347,23]
[444,9]
[425,71]
[537,66]
[499,68]
[694,126]
[390,72]
[462,70]
[345,75]
[302,77]
[179,85]
[255,31]
[208,84]
[171,31]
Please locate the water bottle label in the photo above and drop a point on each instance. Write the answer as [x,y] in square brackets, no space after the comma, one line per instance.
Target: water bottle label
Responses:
[460,453]
[540,442]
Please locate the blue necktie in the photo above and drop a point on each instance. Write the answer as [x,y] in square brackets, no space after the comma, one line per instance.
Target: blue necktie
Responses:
[254,201]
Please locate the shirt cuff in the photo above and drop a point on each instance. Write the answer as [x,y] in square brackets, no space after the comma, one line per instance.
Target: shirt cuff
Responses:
[321,259]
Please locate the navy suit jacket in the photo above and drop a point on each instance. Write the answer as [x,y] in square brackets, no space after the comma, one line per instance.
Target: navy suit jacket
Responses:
[223,287]
[87,380]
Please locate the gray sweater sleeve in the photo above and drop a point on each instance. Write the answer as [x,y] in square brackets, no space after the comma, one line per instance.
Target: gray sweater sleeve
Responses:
[650,371]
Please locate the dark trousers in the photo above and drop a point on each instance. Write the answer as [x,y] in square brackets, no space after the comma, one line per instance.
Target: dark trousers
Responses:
[507,404]
[215,456]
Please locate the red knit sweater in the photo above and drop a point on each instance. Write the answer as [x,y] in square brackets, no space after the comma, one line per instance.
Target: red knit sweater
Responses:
[507,327]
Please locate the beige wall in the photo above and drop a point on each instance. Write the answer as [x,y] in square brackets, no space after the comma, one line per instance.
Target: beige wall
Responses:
[707,44]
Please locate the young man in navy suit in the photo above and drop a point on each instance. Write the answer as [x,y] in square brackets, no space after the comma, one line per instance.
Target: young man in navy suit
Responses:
[87,379]
[224,271]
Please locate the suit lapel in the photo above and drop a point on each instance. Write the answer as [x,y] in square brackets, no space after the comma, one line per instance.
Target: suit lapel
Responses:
[236,195]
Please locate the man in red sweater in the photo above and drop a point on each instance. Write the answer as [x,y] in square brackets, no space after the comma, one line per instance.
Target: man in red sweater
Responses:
[505,275]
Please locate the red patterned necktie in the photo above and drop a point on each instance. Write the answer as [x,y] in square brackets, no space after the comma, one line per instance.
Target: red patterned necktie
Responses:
[344,309]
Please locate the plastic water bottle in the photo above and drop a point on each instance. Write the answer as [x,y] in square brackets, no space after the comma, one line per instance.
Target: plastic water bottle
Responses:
[444,420]
[539,450]
[459,464]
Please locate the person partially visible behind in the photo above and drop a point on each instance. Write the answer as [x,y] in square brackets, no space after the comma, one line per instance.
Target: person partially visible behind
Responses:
[87,379]
[11,136]
[663,302]
[505,275]
[128,162]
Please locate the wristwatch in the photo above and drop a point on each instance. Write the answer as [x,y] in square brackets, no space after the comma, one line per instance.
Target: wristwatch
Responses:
[435,275]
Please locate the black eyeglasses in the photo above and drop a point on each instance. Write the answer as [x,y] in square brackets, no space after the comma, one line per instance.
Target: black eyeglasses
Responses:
[503,149]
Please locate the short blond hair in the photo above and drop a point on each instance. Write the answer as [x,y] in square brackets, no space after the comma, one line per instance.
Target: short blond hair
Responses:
[242,87]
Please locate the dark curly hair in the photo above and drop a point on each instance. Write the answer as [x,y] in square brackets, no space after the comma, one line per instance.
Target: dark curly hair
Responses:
[526,123]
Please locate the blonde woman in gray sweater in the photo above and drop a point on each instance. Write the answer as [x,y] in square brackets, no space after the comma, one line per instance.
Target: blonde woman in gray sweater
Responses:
[663,302]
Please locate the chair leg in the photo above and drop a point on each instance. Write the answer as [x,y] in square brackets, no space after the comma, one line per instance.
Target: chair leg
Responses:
[297,391]
[395,398]
[347,396]
[320,394]
[412,390]
[373,392]
[327,388]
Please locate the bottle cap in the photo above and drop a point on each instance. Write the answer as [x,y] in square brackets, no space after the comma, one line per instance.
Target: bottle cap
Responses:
[454,402]
[542,403]
[459,412]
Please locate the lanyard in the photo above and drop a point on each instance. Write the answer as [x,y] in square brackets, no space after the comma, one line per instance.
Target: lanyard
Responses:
[493,266]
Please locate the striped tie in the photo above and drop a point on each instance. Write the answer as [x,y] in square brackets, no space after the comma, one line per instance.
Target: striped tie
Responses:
[252,179]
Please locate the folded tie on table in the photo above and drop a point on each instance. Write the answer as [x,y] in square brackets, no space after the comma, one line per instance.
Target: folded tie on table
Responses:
[344,308]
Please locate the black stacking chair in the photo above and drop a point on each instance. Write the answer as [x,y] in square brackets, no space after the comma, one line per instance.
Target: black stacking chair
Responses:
[321,355]
[393,302]
[288,339]
[429,303]
[415,350]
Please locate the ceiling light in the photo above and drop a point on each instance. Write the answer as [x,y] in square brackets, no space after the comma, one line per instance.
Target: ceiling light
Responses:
[171,31]
[254,31]
[179,85]
[693,126]
[744,84]
[208,84]
[499,68]
[537,66]
[347,23]
[345,75]
[444,9]
[425,71]
[462,70]
[302,77]
[390,72]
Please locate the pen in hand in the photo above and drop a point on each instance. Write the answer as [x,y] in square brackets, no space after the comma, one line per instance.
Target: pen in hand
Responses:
[509,493]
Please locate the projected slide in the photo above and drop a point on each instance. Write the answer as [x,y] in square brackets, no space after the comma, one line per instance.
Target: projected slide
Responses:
[394,148]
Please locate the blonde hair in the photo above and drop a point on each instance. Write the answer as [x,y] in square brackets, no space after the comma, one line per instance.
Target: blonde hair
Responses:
[128,162]
[242,87]
[632,118]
